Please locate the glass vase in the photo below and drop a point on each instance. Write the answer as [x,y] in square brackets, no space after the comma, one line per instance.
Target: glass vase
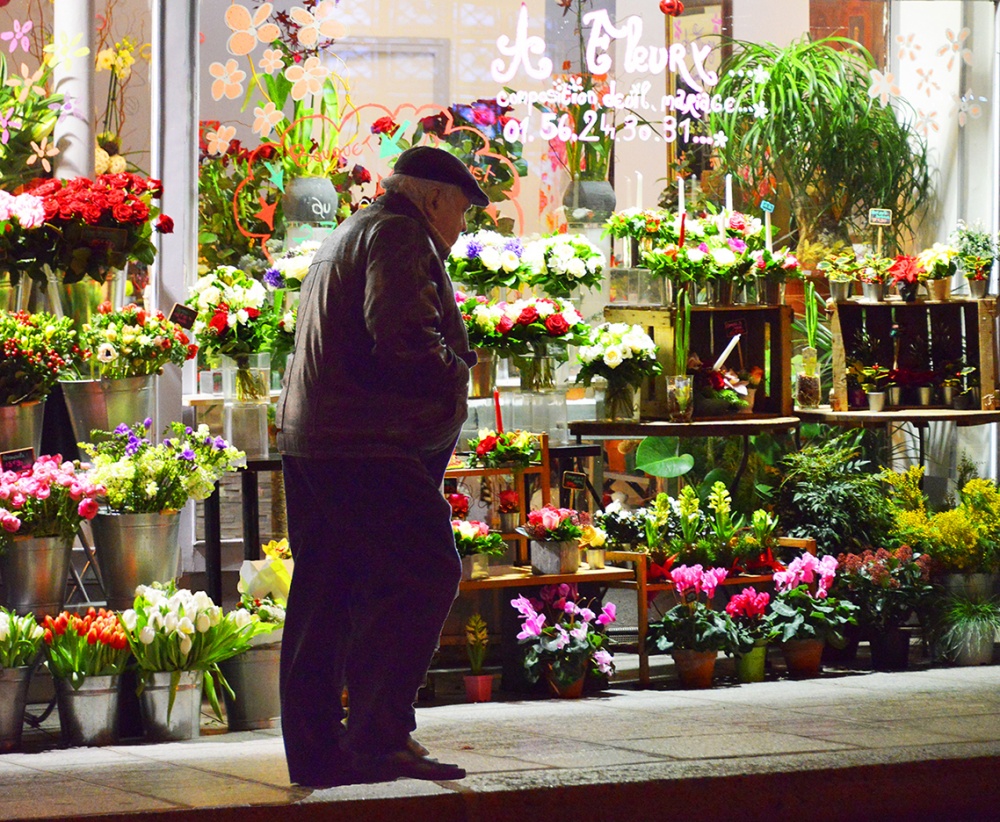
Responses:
[247,378]
[680,398]
[620,402]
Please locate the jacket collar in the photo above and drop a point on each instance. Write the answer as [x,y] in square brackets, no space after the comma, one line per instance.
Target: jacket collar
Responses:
[401,204]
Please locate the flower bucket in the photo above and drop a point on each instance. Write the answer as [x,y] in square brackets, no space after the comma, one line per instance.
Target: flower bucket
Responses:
[509,521]
[478,687]
[803,657]
[13,698]
[88,715]
[135,549]
[21,426]
[483,375]
[537,374]
[184,720]
[105,404]
[595,558]
[840,291]
[574,690]
[871,292]
[549,557]
[750,666]
[876,401]
[695,669]
[978,288]
[253,676]
[890,649]
[475,566]
[940,289]
[34,572]
[907,291]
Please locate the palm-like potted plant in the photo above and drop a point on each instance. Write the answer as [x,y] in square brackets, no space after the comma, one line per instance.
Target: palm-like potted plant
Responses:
[836,150]
[478,686]
[969,629]
[692,631]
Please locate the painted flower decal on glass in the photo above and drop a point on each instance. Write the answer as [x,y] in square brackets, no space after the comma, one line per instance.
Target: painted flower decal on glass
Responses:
[955,47]
[313,27]
[927,84]
[18,35]
[969,107]
[228,80]
[926,122]
[307,78]
[908,46]
[266,118]
[247,30]
[883,86]
[218,141]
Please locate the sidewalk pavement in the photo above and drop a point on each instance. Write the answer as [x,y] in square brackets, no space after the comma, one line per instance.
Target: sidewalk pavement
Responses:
[922,744]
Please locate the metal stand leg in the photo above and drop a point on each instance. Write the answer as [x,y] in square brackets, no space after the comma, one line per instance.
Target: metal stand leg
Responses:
[213,547]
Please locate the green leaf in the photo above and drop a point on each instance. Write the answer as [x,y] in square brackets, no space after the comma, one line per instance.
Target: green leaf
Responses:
[658,456]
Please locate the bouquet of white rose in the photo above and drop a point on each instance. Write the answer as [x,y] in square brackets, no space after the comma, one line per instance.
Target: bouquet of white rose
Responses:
[562,262]
[486,260]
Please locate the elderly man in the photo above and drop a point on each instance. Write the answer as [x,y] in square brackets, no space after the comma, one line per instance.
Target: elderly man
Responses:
[373,404]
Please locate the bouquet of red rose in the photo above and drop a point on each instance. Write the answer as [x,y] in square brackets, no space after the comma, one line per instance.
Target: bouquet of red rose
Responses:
[495,448]
[542,322]
[91,226]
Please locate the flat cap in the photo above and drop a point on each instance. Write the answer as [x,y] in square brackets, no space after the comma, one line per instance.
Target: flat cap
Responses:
[436,164]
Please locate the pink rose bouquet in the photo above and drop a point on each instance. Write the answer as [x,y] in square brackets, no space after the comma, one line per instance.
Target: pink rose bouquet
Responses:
[49,499]
[474,537]
[551,524]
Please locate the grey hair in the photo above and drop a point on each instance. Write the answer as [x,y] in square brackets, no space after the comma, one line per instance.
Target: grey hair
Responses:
[416,189]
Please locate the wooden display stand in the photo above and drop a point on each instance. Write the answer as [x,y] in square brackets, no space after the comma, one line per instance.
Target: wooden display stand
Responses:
[643,586]
[766,342]
[943,331]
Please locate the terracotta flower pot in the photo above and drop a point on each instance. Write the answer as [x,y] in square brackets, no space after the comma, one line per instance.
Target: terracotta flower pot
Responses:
[573,690]
[803,657]
[478,687]
[695,669]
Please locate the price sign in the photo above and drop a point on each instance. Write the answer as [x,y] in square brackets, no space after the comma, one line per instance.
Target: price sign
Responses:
[767,207]
[574,480]
[183,315]
[19,460]
[734,327]
[880,216]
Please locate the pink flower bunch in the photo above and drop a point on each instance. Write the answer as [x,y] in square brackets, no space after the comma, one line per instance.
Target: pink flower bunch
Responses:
[48,499]
[694,578]
[556,524]
[27,209]
[748,604]
[805,570]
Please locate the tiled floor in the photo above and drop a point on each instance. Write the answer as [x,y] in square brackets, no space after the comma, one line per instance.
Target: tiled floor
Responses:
[608,756]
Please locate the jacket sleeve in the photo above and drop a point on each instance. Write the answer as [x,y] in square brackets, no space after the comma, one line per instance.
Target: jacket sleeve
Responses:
[403,314]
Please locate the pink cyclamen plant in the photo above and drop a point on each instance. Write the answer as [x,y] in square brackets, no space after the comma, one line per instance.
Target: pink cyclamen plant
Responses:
[688,578]
[805,570]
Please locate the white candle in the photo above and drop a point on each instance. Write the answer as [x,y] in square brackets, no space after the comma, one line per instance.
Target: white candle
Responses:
[638,190]
[725,354]
[767,231]
[729,192]
[680,195]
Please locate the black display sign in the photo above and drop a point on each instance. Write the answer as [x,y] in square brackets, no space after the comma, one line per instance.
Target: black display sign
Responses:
[183,315]
[20,460]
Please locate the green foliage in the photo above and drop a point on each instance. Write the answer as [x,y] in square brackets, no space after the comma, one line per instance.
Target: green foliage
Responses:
[477,638]
[966,624]
[682,333]
[20,639]
[797,614]
[690,626]
[658,457]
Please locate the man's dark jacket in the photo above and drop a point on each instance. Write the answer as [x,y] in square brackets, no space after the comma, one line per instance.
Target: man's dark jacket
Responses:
[380,362]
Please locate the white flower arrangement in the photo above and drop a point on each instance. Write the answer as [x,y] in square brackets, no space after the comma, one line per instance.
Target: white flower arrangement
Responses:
[618,352]
[938,262]
[563,262]
[486,259]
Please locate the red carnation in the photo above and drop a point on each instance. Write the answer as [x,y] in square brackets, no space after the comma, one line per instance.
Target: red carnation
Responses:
[164,224]
[556,325]
[486,444]
[528,315]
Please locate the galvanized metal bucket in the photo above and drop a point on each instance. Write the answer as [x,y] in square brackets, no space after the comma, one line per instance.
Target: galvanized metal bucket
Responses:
[13,697]
[555,557]
[21,426]
[253,675]
[88,715]
[160,723]
[35,571]
[135,549]
[103,405]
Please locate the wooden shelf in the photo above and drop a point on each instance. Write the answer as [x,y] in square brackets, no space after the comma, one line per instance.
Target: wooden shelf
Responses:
[750,424]
[512,576]
[919,417]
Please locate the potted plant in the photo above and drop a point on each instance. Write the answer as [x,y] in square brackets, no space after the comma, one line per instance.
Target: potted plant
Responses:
[938,263]
[804,616]
[808,388]
[888,586]
[860,154]
[41,508]
[873,380]
[841,270]
[143,487]
[124,350]
[37,349]
[874,273]
[692,631]
[478,686]
[905,272]
[772,269]
[624,355]
[624,528]
[509,509]
[500,449]
[555,539]
[178,639]
[968,630]
[593,540]
[563,639]
[476,543]
[748,633]
[85,655]
[977,249]
[20,642]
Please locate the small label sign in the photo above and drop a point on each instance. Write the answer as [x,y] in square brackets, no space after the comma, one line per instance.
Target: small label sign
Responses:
[734,327]
[767,206]
[183,315]
[20,460]
[574,480]
[880,216]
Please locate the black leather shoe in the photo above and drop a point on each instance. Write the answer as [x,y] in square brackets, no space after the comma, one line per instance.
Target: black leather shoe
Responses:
[408,764]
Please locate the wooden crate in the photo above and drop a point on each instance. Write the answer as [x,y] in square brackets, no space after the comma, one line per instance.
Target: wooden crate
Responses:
[766,342]
[929,334]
